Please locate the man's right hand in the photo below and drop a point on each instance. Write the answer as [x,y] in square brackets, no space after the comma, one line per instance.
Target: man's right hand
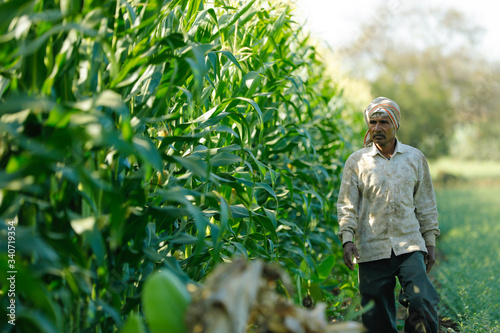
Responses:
[350,250]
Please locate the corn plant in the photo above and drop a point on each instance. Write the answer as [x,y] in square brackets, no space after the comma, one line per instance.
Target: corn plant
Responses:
[178,134]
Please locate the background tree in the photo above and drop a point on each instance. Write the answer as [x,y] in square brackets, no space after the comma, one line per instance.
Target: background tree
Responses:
[428,61]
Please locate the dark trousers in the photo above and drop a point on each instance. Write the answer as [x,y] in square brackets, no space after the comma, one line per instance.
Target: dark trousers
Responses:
[377,280]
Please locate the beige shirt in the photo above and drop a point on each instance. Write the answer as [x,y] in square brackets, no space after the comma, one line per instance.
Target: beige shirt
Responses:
[387,205]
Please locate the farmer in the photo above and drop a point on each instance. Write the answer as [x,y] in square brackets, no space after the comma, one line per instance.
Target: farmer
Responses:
[388,222]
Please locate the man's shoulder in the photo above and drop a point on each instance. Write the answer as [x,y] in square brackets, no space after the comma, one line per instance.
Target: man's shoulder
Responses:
[360,153]
[410,149]
[413,155]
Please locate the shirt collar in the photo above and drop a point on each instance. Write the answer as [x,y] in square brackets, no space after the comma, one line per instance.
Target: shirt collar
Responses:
[398,149]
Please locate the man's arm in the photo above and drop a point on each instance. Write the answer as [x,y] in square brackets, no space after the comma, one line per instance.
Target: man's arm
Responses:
[430,258]
[426,211]
[347,214]
[350,250]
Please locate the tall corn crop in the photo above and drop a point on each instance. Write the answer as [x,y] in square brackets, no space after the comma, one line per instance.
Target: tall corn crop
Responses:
[137,135]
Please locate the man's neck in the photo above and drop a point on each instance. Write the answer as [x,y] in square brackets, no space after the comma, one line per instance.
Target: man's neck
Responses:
[387,149]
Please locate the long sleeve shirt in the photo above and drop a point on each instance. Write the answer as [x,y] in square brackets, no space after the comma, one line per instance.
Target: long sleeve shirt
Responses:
[387,205]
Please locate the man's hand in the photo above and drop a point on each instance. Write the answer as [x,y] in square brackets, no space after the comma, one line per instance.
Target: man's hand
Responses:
[349,250]
[430,258]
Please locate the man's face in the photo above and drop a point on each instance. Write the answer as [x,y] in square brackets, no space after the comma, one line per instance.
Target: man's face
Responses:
[382,130]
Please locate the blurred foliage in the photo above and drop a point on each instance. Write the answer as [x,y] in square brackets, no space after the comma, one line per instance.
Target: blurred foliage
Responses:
[428,61]
[474,171]
[419,96]
[163,134]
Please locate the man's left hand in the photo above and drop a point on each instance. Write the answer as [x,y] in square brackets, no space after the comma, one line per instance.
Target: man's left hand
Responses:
[430,258]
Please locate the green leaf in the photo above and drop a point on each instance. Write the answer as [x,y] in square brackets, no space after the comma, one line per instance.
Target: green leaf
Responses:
[230,148]
[316,292]
[272,216]
[261,166]
[165,300]
[325,267]
[194,7]
[224,159]
[22,103]
[268,189]
[147,151]
[196,165]
[226,129]
[231,57]
[241,250]
[134,324]
[238,211]
[256,108]
[94,238]
[33,46]
[254,247]
[237,15]
[184,239]
[250,83]
[212,57]
[268,224]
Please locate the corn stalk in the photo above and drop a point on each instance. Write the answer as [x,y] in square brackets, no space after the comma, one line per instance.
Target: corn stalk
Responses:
[177,134]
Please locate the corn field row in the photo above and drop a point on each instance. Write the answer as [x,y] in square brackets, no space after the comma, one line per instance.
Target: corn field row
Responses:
[138,135]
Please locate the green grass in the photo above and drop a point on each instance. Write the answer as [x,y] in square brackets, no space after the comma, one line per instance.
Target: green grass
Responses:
[468,270]
[468,170]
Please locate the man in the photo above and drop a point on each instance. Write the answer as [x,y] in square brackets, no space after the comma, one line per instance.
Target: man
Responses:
[388,221]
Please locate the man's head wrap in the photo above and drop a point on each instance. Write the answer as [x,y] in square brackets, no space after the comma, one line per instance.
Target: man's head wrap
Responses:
[384,105]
